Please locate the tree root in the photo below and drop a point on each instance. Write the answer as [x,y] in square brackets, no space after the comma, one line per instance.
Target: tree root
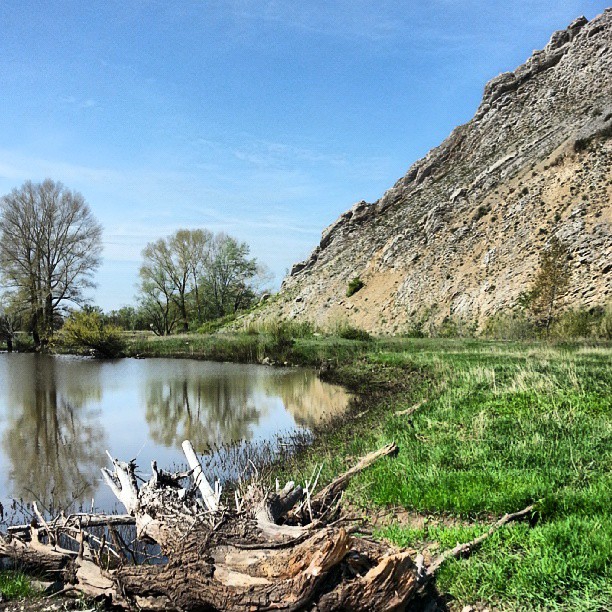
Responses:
[257,553]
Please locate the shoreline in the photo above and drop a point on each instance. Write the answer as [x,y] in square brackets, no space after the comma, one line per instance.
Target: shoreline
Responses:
[484,428]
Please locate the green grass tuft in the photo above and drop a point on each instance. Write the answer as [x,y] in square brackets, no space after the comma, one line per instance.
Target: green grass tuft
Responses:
[15,585]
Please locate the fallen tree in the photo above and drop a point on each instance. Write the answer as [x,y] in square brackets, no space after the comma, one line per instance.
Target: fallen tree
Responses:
[282,549]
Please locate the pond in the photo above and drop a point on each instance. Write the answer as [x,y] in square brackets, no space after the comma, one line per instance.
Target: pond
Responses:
[59,414]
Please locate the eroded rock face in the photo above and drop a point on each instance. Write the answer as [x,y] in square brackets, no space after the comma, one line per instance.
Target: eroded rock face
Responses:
[460,234]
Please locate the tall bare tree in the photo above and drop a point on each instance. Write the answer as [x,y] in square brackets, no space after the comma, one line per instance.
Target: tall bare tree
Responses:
[50,245]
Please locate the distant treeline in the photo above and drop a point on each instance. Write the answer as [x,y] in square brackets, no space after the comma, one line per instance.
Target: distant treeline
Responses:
[50,249]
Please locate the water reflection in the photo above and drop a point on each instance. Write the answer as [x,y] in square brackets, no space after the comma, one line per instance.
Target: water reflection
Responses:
[54,444]
[227,403]
[309,399]
[58,415]
[208,410]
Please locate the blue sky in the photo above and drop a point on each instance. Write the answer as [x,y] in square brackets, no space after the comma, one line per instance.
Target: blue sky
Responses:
[263,119]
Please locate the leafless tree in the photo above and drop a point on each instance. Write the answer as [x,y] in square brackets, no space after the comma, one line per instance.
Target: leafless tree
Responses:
[50,245]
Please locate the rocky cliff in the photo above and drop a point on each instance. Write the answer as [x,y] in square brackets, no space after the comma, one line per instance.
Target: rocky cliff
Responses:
[460,234]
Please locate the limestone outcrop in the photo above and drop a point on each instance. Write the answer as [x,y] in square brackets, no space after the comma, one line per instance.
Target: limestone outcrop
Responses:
[460,234]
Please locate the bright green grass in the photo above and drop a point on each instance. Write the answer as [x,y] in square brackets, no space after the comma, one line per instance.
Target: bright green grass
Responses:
[14,585]
[560,564]
[504,426]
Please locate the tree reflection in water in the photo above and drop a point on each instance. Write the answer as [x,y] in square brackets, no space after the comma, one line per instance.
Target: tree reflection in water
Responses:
[208,410]
[223,407]
[309,400]
[54,443]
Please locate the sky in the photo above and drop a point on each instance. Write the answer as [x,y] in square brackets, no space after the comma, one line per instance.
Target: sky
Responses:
[264,119]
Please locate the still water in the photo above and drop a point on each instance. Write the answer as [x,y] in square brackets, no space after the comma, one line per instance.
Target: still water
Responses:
[58,416]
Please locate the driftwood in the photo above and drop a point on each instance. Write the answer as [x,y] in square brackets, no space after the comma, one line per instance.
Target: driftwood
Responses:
[409,411]
[284,549]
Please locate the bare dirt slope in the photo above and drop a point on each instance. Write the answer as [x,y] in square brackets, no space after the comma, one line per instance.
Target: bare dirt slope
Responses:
[460,234]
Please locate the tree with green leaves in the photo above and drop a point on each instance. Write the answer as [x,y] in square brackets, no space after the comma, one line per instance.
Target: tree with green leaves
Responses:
[156,293]
[228,276]
[193,275]
[50,246]
[171,273]
[551,282]
[128,318]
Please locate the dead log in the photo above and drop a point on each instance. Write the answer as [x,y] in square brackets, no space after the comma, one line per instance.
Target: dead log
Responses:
[411,410]
[462,549]
[329,493]
[233,554]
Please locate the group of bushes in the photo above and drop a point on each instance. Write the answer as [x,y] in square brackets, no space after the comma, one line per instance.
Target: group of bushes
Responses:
[87,330]
[284,333]
[573,324]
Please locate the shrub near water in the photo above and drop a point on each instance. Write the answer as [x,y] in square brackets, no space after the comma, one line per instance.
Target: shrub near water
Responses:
[87,330]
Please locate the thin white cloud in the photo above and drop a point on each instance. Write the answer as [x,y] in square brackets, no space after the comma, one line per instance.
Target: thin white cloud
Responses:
[343,18]
[77,102]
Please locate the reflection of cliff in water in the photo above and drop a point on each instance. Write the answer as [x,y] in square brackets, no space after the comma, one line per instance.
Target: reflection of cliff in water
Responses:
[207,410]
[309,400]
[55,445]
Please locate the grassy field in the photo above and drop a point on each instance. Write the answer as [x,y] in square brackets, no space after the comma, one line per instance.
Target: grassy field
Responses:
[500,425]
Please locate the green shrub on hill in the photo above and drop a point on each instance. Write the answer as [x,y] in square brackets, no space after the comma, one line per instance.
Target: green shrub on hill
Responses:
[354,286]
[349,332]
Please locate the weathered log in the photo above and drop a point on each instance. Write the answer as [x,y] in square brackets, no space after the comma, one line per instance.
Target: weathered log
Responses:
[409,411]
[79,520]
[41,560]
[387,586]
[193,583]
[225,558]
[208,494]
[123,483]
[327,495]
